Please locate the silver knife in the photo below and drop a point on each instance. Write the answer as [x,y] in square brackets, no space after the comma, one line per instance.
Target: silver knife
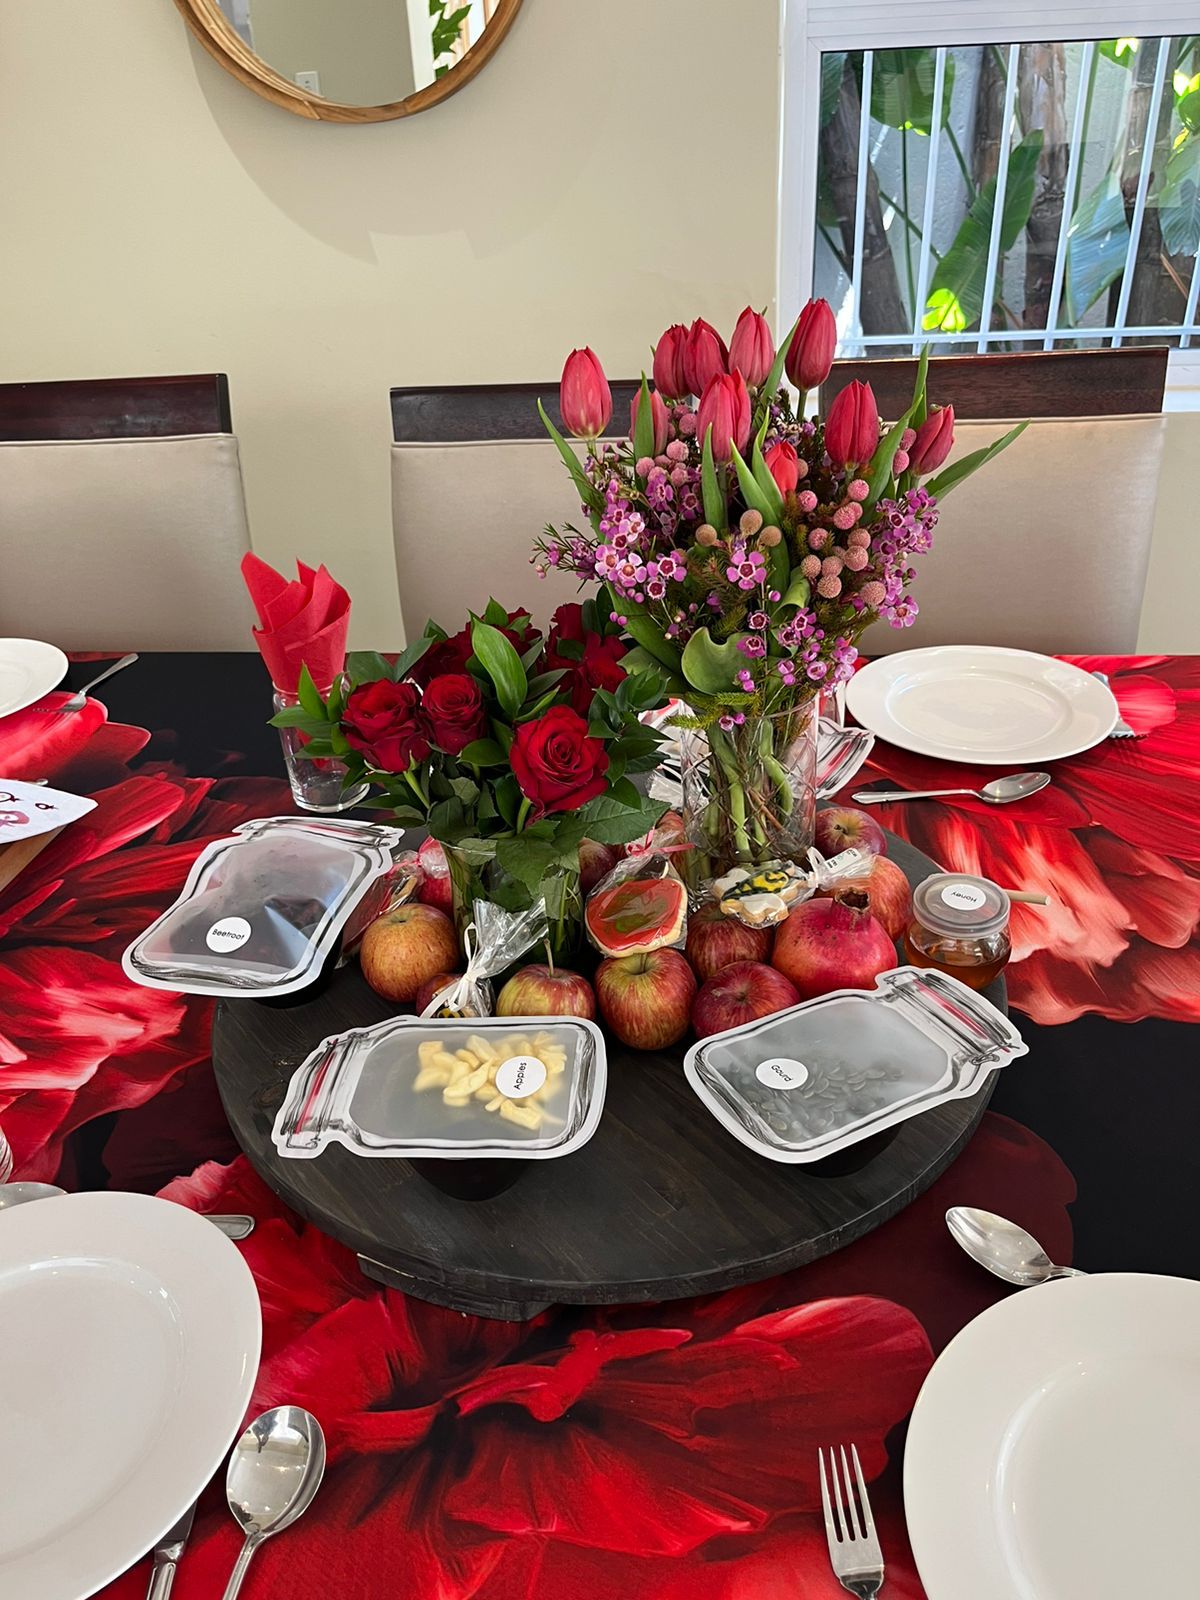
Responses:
[167,1552]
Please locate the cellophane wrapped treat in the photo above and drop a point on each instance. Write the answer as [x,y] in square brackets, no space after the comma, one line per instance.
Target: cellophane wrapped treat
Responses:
[494,939]
[761,897]
[262,911]
[642,904]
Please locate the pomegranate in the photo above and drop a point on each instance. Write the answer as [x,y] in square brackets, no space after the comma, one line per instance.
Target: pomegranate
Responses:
[888,896]
[831,944]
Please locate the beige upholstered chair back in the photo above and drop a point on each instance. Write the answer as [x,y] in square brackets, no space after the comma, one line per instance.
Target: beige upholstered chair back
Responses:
[1047,547]
[124,544]
[465,517]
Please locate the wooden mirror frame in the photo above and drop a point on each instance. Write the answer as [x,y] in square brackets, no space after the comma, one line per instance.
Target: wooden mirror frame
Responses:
[222,41]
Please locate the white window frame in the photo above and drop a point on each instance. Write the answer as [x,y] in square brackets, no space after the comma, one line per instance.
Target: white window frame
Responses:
[811,27]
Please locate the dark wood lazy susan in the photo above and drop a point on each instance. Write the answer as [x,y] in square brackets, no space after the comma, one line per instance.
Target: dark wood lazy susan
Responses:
[663,1203]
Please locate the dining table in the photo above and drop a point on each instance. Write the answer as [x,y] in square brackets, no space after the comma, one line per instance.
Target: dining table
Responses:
[662,1450]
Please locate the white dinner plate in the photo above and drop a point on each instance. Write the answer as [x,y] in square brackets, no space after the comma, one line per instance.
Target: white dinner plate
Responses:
[129,1341]
[983,704]
[28,670]
[1053,1453]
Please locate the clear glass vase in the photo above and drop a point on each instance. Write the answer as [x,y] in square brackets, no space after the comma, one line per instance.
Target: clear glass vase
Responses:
[317,785]
[749,791]
[475,874]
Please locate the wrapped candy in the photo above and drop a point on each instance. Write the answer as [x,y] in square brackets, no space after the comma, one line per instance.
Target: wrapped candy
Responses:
[494,940]
[762,896]
[641,905]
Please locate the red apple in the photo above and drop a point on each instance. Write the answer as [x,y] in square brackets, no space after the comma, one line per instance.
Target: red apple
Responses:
[436,889]
[546,992]
[889,898]
[595,862]
[646,999]
[431,986]
[715,941]
[405,948]
[840,828]
[741,993]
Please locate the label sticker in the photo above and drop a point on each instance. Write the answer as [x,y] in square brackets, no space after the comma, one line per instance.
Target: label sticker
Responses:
[228,934]
[520,1076]
[779,1073]
[963,897]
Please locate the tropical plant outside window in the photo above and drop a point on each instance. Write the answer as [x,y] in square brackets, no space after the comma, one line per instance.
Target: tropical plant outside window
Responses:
[1011,197]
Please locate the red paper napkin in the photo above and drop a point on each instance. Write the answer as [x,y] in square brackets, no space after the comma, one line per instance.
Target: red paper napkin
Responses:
[302,623]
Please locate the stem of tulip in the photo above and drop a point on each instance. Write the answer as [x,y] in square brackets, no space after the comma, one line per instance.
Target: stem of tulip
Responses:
[774,769]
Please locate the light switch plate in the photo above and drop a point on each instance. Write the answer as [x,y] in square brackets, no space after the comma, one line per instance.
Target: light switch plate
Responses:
[309,81]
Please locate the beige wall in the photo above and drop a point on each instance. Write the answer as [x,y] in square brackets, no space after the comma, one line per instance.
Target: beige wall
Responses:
[1170,620]
[360,48]
[161,218]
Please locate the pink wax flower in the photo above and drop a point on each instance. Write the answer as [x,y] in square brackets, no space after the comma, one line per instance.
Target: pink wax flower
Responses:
[934,440]
[784,465]
[747,571]
[852,426]
[584,396]
[705,357]
[725,408]
[810,354]
[752,349]
[658,414]
[670,373]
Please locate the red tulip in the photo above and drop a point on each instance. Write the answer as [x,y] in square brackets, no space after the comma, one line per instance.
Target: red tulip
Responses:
[658,414]
[784,465]
[852,426]
[934,441]
[725,408]
[584,396]
[704,356]
[670,371]
[810,354]
[752,349]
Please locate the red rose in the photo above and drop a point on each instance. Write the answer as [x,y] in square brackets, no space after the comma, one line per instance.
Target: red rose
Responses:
[385,721]
[454,708]
[558,766]
[599,667]
[452,655]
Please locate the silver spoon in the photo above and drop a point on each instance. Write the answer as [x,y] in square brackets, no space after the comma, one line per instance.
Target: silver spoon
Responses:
[1017,786]
[1003,1248]
[79,699]
[19,1194]
[274,1472]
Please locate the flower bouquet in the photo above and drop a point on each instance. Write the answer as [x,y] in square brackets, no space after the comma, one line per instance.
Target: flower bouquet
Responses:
[742,548]
[511,747]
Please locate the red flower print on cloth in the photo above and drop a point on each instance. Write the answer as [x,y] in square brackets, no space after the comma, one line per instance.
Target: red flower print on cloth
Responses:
[1115,840]
[77,1039]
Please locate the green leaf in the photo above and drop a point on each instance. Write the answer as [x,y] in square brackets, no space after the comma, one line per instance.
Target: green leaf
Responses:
[546,680]
[643,630]
[526,860]
[1179,200]
[411,654]
[941,486]
[627,793]
[502,664]
[588,492]
[298,717]
[316,750]
[609,822]
[769,508]
[507,794]
[643,432]
[712,668]
[1187,105]
[366,666]
[715,511]
[466,789]
[310,696]
[495,613]
[956,294]
[879,468]
[798,590]
[1097,244]
[902,84]
[1120,51]
[407,816]
[919,410]
[529,712]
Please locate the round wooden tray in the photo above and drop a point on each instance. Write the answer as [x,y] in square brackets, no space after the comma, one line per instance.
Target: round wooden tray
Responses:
[663,1203]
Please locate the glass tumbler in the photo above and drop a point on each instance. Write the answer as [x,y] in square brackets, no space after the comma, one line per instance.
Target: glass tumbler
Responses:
[6,1158]
[317,785]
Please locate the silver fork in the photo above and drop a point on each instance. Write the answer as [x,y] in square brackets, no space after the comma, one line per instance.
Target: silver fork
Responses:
[79,699]
[854,1552]
[1121,729]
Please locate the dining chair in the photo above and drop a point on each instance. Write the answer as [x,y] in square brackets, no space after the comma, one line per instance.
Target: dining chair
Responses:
[475,480]
[122,515]
[1048,547]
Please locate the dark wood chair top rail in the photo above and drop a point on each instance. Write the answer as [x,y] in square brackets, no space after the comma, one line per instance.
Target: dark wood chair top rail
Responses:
[116,408]
[472,413]
[1042,383]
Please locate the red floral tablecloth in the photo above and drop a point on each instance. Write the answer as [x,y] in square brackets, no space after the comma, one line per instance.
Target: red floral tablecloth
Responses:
[651,1452]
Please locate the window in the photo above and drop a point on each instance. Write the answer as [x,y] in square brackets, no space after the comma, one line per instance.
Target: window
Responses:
[1011,192]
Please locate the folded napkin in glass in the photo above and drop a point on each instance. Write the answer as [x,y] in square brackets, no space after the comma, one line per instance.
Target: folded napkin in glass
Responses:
[807,1082]
[263,911]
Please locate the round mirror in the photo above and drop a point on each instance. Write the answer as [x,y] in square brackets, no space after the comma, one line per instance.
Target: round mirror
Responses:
[351,60]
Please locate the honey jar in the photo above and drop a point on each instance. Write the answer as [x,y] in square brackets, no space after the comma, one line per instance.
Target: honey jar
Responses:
[959,926]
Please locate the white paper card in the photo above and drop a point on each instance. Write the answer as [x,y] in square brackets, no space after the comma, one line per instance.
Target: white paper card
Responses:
[27,809]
